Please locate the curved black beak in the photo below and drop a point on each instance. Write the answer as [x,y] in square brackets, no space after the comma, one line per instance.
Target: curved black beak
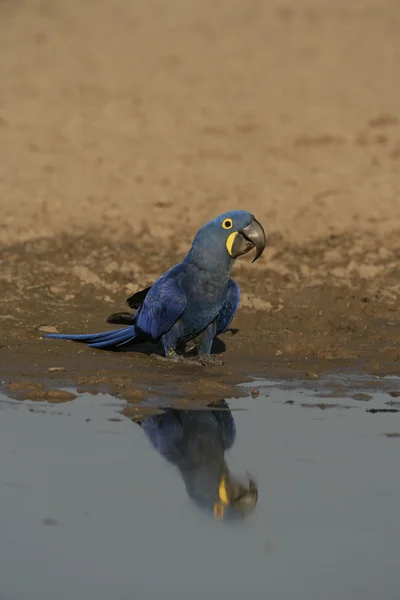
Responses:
[250,496]
[235,496]
[252,236]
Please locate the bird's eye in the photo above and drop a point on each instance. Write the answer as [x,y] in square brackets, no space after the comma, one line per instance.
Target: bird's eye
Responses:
[227,224]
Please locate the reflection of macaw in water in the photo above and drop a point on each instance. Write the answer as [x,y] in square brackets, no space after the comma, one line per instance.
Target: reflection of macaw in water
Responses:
[195,441]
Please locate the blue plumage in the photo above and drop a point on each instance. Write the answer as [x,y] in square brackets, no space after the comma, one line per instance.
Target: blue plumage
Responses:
[196,442]
[196,299]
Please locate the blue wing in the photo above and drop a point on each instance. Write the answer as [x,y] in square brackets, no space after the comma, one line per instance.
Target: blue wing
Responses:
[161,308]
[165,433]
[226,424]
[229,307]
[163,304]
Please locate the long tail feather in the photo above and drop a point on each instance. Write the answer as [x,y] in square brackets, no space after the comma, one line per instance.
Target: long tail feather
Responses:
[120,338]
[106,339]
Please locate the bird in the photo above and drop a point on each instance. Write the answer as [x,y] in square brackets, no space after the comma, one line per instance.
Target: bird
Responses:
[195,300]
[195,441]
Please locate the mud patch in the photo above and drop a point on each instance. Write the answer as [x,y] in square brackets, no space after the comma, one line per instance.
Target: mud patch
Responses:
[24,390]
[291,322]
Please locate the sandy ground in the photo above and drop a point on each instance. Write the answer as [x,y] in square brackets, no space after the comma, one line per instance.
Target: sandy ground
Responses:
[126,125]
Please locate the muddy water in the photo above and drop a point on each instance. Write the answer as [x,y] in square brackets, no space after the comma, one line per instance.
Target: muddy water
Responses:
[93,508]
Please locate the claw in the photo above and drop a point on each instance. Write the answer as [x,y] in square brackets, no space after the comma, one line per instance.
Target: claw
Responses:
[176,358]
[209,360]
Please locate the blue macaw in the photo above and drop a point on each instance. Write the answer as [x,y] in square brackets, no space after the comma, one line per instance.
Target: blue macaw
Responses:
[195,441]
[195,300]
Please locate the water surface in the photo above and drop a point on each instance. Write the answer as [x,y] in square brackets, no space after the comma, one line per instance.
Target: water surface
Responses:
[94,509]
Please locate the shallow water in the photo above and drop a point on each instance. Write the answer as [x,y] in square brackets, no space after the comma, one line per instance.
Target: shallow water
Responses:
[93,510]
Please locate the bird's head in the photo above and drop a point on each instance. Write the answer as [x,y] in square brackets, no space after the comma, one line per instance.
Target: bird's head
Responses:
[235,499]
[228,236]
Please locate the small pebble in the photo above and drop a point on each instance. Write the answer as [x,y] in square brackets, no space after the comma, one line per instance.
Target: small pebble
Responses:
[311,375]
[255,392]
[48,329]
[59,396]
[362,397]
[50,522]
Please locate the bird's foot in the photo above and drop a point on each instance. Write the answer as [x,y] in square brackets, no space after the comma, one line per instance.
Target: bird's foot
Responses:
[202,360]
[209,360]
[198,360]
[176,358]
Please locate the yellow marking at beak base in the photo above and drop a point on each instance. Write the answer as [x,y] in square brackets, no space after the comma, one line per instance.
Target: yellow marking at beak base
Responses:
[218,510]
[230,240]
[223,496]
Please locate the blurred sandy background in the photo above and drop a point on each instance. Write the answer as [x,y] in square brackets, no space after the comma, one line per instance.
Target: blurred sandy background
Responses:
[126,124]
[127,114]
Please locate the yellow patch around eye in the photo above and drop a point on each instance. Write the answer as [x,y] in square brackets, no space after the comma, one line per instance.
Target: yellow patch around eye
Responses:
[223,496]
[227,224]
[229,242]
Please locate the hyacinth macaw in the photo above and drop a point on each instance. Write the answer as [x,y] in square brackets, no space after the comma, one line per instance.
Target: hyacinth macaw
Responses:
[195,300]
[195,441]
